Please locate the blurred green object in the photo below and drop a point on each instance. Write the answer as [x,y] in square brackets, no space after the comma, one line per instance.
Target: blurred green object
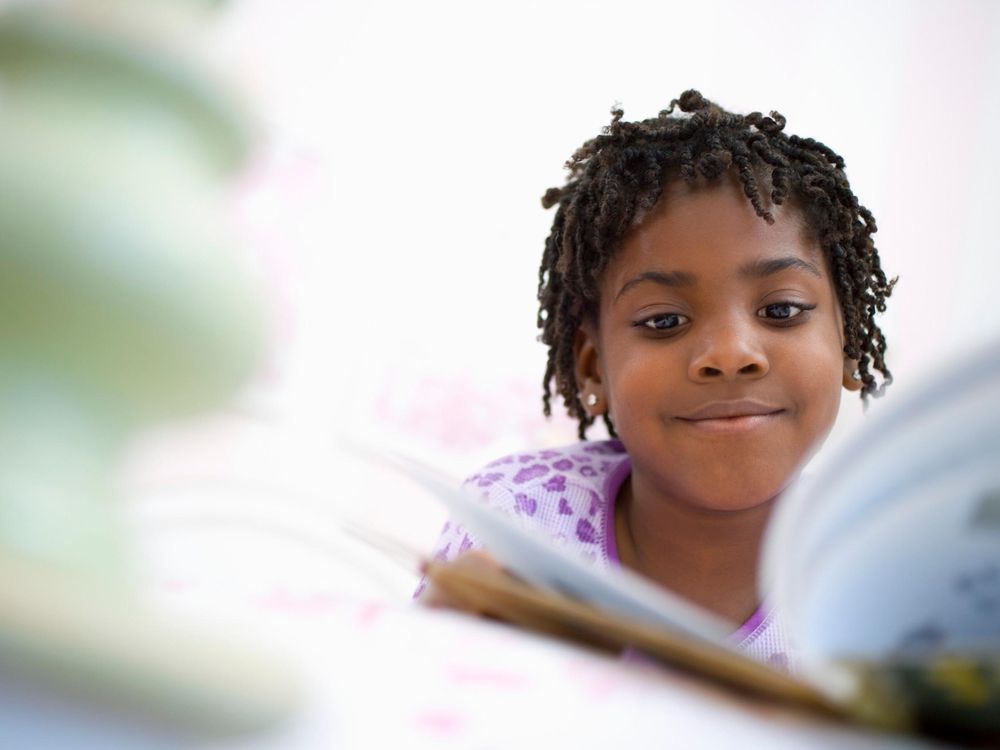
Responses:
[116,278]
[121,301]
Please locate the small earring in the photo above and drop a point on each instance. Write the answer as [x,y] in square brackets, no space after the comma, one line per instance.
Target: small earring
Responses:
[856,375]
[591,399]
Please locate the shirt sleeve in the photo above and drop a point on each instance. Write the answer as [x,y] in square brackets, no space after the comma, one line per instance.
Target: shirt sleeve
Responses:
[454,540]
[491,484]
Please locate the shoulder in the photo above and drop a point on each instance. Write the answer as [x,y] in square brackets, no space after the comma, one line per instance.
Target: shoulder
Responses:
[566,492]
[586,462]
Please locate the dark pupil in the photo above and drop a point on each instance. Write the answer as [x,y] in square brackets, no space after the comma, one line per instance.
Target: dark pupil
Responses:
[779,311]
[665,321]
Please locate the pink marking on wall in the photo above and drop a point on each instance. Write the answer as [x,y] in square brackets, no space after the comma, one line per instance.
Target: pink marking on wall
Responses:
[444,722]
[176,585]
[368,613]
[488,677]
[593,680]
[456,412]
[310,604]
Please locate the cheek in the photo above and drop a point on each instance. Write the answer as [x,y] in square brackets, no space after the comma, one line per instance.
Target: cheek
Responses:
[635,371]
[821,383]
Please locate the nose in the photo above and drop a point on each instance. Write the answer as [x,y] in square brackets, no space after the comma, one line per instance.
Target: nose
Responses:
[728,351]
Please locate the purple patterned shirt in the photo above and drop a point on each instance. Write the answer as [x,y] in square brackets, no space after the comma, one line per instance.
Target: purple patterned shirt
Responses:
[569,494]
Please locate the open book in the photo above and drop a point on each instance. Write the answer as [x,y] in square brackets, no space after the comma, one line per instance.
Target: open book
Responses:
[885,567]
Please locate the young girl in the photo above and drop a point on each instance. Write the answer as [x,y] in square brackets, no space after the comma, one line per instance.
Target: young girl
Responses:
[709,286]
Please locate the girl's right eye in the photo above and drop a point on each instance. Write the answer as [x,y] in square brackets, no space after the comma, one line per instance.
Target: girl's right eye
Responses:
[663,321]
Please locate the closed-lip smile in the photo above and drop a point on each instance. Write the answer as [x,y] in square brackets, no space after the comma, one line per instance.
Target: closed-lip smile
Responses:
[739,414]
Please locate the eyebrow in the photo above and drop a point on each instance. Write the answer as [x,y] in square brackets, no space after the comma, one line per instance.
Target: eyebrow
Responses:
[756,269]
[671,279]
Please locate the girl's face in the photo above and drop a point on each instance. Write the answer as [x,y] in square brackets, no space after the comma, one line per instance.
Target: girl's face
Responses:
[718,348]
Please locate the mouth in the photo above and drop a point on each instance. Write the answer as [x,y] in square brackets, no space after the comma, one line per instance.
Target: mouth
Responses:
[730,416]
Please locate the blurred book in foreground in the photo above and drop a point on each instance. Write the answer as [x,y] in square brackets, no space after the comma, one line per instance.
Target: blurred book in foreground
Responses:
[885,568]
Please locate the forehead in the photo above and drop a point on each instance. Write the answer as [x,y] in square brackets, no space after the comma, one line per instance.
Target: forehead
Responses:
[709,231]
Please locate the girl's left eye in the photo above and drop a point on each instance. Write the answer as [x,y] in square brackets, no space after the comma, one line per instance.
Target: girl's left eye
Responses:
[663,321]
[783,310]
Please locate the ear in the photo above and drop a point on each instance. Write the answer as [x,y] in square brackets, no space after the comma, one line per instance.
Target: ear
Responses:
[852,381]
[589,382]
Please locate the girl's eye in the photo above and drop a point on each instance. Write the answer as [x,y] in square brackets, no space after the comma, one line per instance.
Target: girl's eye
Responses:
[783,310]
[663,322]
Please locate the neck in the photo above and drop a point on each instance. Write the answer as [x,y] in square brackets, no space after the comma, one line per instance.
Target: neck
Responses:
[707,556]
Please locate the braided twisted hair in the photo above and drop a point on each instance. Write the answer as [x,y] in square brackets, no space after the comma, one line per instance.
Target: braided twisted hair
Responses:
[615,178]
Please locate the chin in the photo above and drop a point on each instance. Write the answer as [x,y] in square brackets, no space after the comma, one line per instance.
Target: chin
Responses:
[750,495]
[736,504]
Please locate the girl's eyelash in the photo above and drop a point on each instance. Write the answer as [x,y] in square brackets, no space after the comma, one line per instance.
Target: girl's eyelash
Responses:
[785,308]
